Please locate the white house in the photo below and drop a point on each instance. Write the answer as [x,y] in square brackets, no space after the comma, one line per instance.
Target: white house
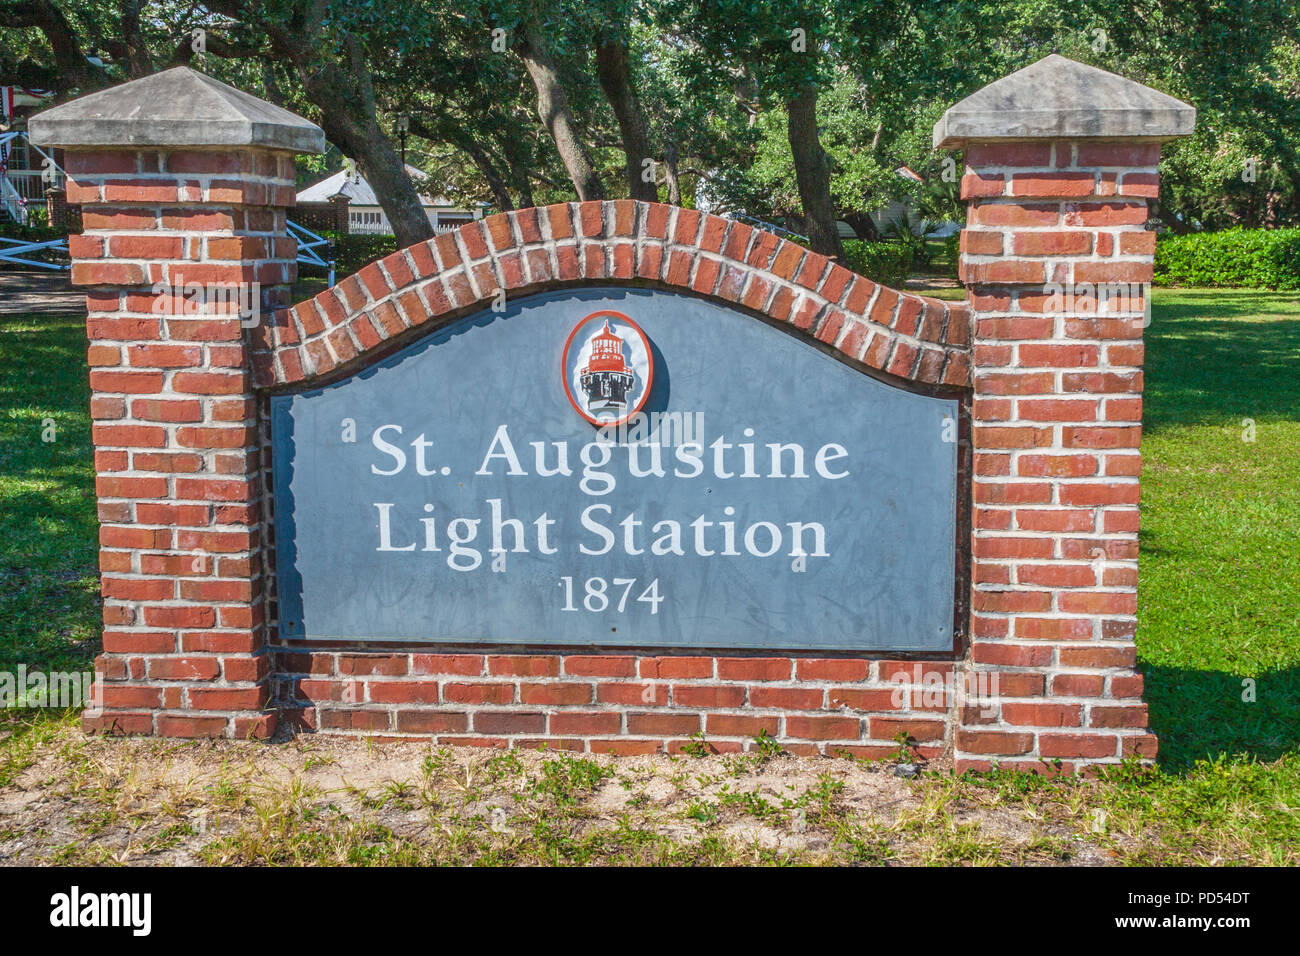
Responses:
[365,214]
[24,172]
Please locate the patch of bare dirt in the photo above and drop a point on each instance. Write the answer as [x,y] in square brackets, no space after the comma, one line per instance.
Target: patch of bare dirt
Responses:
[148,801]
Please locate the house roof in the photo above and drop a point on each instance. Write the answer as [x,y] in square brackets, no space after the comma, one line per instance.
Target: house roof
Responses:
[360,193]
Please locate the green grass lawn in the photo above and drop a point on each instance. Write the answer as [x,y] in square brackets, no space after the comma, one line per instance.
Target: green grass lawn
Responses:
[1219,599]
[49,580]
[1219,595]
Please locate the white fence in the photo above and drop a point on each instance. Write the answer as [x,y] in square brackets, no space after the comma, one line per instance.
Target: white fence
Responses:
[371,222]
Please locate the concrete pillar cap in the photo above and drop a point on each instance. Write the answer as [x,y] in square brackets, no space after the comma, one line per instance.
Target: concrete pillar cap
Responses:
[1057,98]
[179,107]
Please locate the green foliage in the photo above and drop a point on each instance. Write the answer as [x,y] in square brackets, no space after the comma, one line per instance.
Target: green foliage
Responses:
[951,254]
[503,766]
[886,262]
[906,747]
[702,811]
[1234,258]
[1238,63]
[861,179]
[36,232]
[697,746]
[766,746]
[566,778]
[911,236]
[352,252]
[38,216]
[713,82]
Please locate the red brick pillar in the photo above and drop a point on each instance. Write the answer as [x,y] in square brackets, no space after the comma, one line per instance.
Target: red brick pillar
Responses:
[1057,260]
[57,211]
[339,210]
[183,254]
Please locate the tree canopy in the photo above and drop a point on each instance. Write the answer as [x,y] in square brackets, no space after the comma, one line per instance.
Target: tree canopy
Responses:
[793,111]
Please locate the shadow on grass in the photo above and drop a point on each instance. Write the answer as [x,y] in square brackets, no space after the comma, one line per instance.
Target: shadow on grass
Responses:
[1214,358]
[49,582]
[1210,359]
[1201,714]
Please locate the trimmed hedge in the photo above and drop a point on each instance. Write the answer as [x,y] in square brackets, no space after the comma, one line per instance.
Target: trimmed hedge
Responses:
[352,252]
[885,262]
[1233,258]
[41,233]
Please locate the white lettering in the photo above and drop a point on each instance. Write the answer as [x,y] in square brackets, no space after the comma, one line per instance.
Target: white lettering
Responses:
[507,451]
[399,456]
[828,453]
[594,526]
[385,530]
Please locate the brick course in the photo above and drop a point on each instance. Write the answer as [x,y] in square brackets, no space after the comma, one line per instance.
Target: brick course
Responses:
[567,700]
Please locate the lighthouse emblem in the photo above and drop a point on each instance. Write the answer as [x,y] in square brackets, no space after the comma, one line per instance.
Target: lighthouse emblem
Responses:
[607,368]
[607,378]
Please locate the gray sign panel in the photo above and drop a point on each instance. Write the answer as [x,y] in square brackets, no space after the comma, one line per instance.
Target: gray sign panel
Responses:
[765,496]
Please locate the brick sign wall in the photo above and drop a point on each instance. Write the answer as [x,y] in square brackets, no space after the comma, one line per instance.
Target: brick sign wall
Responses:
[1043,362]
[618,701]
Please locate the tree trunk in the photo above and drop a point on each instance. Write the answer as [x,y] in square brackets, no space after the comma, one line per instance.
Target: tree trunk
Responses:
[450,131]
[136,56]
[519,176]
[671,175]
[339,85]
[812,173]
[360,137]
[863,225]
[487,169]
[615,73]
[346,99]
[74,71]
[553,109]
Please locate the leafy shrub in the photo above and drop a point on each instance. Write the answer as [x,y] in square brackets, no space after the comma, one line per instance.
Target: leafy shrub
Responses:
[884,262]
[36,232]
[951,253]
[351,252]
[1235,258]
[38,216]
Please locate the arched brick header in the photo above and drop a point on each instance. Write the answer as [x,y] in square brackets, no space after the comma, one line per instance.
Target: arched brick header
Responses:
[912,337]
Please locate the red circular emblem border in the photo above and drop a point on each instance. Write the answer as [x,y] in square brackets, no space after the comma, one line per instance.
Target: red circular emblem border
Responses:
[650,367]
